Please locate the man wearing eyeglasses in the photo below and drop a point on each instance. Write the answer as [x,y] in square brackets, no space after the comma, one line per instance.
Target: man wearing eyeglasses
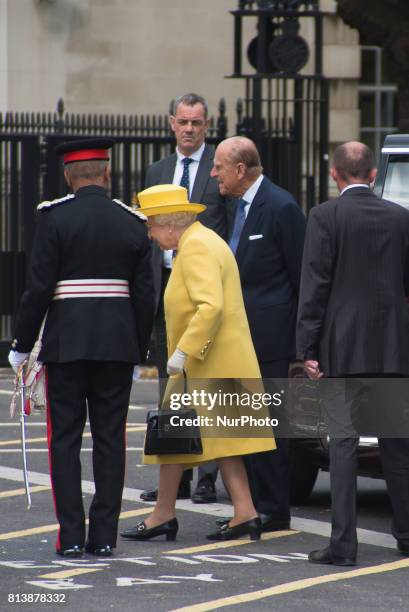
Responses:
[190,167]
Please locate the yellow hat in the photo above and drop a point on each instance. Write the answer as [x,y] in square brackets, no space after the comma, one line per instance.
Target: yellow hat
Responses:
[165,200]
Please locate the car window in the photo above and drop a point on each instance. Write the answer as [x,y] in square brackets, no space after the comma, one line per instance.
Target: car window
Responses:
[396,187]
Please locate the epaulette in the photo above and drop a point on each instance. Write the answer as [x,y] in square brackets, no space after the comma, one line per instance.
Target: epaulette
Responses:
[50,203]
[138,214]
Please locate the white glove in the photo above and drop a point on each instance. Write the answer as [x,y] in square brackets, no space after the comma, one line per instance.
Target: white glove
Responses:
[176,362]
[136,373]
[16,359]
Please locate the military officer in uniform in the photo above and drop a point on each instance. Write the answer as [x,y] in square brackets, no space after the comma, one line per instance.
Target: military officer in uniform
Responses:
[90,275]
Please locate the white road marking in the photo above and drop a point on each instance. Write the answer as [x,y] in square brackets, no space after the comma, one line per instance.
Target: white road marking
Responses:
[321,528]
[17,424]
[45,450]
[44,424]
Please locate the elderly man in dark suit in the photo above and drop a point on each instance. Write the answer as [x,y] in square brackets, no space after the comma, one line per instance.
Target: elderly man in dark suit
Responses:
[190,167]
[353,321]
[267,238]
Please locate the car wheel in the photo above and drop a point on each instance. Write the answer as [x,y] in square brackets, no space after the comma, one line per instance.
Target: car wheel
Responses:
[303,474]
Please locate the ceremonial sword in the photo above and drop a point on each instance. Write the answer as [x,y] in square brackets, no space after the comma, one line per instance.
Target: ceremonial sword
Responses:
[20,378]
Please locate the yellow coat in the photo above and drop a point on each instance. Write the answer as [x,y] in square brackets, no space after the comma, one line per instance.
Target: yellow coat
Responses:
[206,319]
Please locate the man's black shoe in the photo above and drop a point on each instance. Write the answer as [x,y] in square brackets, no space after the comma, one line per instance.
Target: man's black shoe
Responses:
[151,495]
[267,523]
[100,551]
[74,552]
[205,493]
[325,557]
[403,547]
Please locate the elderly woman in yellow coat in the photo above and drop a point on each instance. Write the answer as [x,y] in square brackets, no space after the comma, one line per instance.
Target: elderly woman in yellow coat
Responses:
[208,338]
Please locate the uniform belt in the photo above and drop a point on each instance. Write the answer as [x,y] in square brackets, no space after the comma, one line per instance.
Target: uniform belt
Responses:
[91,287]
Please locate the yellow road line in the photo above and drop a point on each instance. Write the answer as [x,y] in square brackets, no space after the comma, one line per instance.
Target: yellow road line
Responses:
[22,533]
[18,441]
[296,585]
[14,492]
[72,572]
[230,543]
[84,435]
[49,528]
[131,513]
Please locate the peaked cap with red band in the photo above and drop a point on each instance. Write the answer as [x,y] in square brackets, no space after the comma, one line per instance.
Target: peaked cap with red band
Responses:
[87,149]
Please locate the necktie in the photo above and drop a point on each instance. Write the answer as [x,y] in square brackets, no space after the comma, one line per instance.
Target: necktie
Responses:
[239,220]
[184,182]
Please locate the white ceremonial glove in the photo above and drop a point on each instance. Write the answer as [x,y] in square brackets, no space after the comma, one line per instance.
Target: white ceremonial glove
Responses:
[16,359]
[136,373]
[176,362]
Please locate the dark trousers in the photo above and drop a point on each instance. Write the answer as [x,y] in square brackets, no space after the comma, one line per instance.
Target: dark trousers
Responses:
[103,386]
[268,472]
[338,405]
[374,405]
[395,465]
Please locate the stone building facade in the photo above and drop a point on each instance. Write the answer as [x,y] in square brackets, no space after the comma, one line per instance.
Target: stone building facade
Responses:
[134,56]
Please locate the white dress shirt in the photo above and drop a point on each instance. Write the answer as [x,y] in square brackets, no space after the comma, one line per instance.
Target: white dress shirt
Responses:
[352,186]
[251,193]
[177,177]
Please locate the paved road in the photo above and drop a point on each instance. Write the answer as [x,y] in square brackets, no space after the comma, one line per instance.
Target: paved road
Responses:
[189,574]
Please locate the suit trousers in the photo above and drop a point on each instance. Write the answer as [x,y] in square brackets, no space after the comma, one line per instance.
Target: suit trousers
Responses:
[104,387]
[395,465]
[338,405]
[268,472]
[370,405]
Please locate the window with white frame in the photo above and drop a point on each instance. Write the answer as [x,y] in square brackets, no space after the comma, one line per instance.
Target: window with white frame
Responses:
[377,99]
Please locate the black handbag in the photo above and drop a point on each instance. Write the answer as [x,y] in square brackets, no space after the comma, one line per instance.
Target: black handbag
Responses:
[169,433]
[172,437]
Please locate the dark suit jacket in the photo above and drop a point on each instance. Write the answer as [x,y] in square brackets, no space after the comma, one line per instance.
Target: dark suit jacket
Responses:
[88,237]
[270,265]
[353,316]
[205,190]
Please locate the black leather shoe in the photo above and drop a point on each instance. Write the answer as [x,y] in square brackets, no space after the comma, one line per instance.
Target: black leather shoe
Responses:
[151,495]
[100,551]
[205,493]
[142,532]
[403,547]
[74,552]
[325,557]
[267,523]
[251,528]
[223,520]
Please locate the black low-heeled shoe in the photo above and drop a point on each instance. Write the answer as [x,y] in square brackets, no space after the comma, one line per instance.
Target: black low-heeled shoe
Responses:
[251,528]
[142,532]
